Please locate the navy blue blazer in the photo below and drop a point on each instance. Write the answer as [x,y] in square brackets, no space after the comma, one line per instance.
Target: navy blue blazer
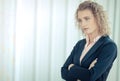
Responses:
[105,50]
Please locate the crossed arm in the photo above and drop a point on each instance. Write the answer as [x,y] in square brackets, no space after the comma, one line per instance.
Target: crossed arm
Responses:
[91,65]
[72,72]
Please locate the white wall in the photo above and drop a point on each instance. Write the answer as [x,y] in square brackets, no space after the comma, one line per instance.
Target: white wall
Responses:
[36,37]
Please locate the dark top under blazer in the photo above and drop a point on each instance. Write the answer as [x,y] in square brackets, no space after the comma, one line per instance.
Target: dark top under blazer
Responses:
[104,49]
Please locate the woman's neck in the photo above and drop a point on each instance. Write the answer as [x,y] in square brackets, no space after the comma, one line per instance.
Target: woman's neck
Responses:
[92,37]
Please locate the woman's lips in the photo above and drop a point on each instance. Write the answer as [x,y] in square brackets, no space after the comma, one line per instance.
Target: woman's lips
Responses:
[85,28]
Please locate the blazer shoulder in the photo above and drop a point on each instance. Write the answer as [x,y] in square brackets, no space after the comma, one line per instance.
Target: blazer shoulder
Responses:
[108,40]
[80,42]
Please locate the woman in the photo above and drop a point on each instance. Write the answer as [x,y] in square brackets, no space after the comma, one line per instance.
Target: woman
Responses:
[91,58]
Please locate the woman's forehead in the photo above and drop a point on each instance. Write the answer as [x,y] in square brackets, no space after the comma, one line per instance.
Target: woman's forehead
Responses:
[83,13]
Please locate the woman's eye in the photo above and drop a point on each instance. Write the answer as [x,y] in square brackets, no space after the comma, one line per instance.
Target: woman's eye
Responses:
[79,20]
[87,19]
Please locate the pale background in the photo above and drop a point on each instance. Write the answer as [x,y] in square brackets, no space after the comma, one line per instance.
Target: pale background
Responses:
[36,37]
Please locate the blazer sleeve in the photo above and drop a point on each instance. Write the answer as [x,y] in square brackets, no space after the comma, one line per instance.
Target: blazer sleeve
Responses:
[64,70]
[106,57]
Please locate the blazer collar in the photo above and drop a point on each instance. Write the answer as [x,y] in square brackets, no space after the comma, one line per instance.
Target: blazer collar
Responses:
[94,48]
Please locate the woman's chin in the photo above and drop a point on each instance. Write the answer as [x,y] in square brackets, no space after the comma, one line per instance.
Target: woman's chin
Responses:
[86,33]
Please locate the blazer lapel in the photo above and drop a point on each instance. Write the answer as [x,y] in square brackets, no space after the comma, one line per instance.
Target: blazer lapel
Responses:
[93,49]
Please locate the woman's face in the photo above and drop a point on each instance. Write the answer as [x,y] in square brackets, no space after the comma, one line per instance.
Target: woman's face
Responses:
[87,22]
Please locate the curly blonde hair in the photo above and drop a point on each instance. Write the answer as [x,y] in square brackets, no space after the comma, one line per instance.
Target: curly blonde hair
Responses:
[99,14]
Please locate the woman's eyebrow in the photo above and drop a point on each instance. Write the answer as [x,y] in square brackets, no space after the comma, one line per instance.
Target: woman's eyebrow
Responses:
[87,17]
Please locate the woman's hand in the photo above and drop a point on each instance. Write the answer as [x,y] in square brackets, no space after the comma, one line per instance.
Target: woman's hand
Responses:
[78,80]
[93,63]
[71,65]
